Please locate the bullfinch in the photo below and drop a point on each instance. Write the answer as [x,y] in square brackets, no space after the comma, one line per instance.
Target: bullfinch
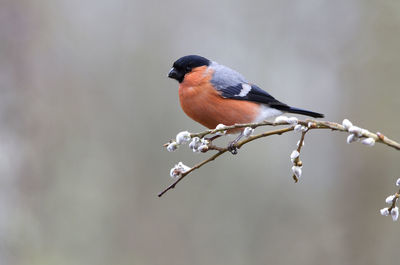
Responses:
[211,94]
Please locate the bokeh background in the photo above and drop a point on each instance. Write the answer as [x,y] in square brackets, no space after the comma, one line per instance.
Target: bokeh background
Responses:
[85,107]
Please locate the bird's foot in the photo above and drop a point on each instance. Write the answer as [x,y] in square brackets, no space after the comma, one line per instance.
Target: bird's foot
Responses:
[232,148]
[232,145]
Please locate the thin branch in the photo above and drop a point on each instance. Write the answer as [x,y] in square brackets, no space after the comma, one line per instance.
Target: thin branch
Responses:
[395,198]
[220,152]
[310,124]
[244,125]
[297,162]
[378,137]
[190,170]
[255,137]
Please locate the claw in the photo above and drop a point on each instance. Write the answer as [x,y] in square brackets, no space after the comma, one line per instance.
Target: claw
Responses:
[232,148]
[232,145]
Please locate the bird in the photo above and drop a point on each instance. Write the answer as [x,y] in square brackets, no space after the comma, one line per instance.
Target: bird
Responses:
[212,94]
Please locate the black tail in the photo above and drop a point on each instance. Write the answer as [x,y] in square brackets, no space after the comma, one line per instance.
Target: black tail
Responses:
[305,112]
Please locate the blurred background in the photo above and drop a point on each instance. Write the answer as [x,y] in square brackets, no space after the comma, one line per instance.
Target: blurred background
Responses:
[85,107]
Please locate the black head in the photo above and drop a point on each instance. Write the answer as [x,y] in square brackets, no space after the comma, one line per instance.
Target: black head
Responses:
[184,65]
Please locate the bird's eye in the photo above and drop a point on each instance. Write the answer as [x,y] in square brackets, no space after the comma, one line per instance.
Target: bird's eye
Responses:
[188,69]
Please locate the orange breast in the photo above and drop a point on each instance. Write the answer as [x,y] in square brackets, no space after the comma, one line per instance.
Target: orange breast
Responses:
[201,102]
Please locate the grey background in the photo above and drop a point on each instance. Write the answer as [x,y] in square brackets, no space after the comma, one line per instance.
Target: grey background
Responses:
[85,107]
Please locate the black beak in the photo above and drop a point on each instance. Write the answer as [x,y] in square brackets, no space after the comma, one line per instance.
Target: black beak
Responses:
[175,74]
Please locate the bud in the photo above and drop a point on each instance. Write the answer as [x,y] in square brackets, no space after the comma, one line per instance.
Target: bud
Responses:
[183,167]
[347,124]
[385,211]
[178,169]
[364,131]
[398,182]
[368,141]
[295,154]
[220,126]
[395,213]
[355,130]
[351,138]
[172,147]
[248,131]
[183,137]
[297,128]
[296,171]
[173,173]
[280,119]
[292,120]
[204,141]
[389,199]
[304,128]
[203,148]
[195,143]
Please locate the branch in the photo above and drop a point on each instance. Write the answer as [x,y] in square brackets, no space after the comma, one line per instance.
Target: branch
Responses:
[393,210]
[203,145]
[220,152]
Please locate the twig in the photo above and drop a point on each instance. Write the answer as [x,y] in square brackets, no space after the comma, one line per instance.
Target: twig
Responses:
[310,124]
[395,198]
[220,152]
[190,170]
[378,137]
[244,125]
[297,162]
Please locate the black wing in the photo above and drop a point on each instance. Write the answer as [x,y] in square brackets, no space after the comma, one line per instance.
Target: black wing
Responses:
[243,91]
